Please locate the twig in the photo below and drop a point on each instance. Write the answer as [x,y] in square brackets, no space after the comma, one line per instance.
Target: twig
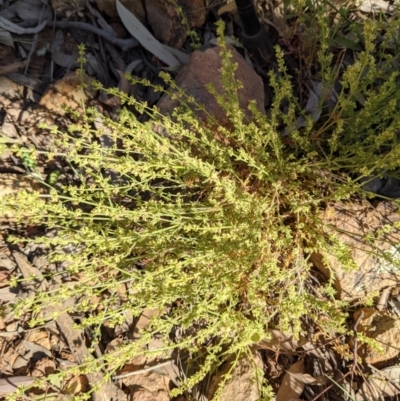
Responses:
[51,59]
[124,44]
[35,40]
[355,350]
[139,372]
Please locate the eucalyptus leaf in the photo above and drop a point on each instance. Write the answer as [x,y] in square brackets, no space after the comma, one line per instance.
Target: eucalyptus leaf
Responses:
[9,385]
[145,38]
[6,38]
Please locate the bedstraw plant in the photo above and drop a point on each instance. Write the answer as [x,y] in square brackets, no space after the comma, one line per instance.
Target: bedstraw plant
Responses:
[212,227]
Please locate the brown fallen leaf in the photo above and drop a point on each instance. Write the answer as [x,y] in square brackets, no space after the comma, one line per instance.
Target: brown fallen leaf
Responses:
[291,386]
[144,321]
[279,342]
[227,8]
[308,379]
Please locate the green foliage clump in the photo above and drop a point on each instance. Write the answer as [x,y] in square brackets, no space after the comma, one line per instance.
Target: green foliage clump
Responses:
[211,226]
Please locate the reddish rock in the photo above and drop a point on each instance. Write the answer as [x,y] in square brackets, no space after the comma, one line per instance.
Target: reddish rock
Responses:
[167,23]
[354,222]
[205,68]
[136,7]
[66,91]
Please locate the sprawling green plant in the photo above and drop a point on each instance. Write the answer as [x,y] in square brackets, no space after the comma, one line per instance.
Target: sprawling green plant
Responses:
[211,226]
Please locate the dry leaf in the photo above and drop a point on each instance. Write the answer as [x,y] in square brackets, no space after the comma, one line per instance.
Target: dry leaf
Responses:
[144,321]
[131,66]
[291,386]
[279,342]
[308,379]
[227,8]
[44,367]
[182,57]
[39,337]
